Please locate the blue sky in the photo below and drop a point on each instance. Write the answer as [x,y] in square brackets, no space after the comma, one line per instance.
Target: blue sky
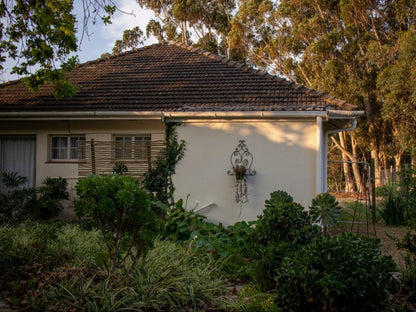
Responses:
[102,37]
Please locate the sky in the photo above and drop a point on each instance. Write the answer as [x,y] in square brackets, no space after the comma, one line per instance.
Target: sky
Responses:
[102,37]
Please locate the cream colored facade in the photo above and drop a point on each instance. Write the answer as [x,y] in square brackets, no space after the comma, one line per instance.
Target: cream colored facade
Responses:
[99,130]
[288,148]
[285,157]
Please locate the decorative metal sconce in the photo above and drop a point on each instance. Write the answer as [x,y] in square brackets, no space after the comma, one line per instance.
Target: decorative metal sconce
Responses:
[241,161]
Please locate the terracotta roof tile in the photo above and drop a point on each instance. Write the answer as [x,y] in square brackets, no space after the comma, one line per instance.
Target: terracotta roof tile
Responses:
[170,77]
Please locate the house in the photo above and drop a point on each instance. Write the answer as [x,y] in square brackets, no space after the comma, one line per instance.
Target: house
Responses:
[247,133]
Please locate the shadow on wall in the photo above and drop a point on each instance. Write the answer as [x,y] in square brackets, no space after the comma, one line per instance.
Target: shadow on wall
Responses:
[284,157]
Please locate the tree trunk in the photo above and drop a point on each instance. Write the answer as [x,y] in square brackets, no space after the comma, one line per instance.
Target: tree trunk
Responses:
[360,184]
[349,182]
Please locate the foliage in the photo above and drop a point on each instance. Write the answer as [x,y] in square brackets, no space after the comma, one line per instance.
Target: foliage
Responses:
[209,21]
[343,273]
[158,179]
[173,279]
[230,245]
[399,204]
[408,270]
[253,300]
[181,223]
[283,226]
[283,220]
[41,37]
[21,203]
[325,211]
[120,168]
[31,246]
[50,193]
[394,210]
[121,210]
[131,39]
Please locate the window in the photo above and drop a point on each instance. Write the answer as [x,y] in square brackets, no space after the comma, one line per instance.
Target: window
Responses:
[132,147]
[67,147]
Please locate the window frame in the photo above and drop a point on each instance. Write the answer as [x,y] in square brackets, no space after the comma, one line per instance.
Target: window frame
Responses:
[68,149]
[135,152]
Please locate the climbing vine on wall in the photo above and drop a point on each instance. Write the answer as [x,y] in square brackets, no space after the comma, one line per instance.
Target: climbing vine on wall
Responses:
[158,179]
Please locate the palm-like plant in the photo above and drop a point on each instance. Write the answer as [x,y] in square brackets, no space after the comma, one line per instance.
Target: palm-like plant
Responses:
[325,210]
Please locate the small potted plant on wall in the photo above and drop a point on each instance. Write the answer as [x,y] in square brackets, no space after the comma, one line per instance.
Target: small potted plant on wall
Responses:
[239,172]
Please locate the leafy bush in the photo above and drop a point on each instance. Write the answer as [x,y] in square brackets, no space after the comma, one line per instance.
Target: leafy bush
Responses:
[284,226]
[121,210]
[399,205]
[20,204]
[231,245]
[283,220]
[344,273]
[181,223]
[394,210]
[325,211]
[408,270]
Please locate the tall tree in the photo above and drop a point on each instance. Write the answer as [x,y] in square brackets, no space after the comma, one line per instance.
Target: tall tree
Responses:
[205,23]
[334,46]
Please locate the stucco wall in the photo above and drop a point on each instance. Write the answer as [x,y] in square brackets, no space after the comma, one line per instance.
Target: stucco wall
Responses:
[101,130]
[285,158]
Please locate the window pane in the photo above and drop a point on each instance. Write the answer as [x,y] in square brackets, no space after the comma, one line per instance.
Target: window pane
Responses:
[141,147]
[77,148]
[59,148]
[123,147]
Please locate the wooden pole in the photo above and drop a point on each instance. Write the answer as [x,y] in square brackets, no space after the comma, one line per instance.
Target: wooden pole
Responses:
[373,193]
[93,157]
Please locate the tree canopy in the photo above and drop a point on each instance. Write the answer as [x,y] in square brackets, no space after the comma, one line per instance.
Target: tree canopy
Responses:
[40,35]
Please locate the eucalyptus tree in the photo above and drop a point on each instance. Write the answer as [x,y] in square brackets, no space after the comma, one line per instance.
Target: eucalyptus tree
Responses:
[131,39]
[338,47]
[206,23]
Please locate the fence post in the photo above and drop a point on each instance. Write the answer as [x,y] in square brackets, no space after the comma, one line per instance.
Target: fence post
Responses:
[373,192]
[92,157]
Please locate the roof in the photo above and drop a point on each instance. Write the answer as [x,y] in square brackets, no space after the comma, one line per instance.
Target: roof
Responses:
[169,77]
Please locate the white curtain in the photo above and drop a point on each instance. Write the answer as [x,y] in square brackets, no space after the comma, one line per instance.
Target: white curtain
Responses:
[18,154]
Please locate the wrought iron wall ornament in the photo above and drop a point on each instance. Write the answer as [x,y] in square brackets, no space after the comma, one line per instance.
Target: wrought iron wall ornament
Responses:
[241,162]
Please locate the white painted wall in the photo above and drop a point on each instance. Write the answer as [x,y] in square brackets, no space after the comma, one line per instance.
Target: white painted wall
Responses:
[285,158]
[100,130]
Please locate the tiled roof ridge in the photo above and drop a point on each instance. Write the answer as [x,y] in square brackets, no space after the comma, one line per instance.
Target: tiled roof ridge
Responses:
[328,98]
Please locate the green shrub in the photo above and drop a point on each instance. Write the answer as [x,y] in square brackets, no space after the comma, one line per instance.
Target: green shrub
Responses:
[121,210]
[230,245]
[344,273]
[408,270]
[282,227]
[181,223]
[394,210]
[20,204]
[325,211]
[283,220]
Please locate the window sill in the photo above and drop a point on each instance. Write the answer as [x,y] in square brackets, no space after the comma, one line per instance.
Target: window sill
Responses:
[65,161]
